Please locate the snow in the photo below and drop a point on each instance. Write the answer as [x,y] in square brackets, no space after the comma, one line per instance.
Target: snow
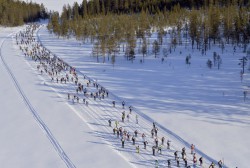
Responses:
[19,132]
[190,104]
[23,143]
[203,106]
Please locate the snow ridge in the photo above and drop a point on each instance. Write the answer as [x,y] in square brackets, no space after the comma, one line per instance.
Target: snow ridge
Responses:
[39,121]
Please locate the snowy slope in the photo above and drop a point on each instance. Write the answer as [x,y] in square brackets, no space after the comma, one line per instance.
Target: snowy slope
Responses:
[23,142]
[203,106]
[97,113]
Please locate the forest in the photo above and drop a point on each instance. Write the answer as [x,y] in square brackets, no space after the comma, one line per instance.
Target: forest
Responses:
[112,24]
[15,13]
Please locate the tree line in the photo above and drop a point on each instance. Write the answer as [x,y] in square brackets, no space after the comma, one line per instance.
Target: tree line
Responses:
[15,12]
[208,22]
[96,7]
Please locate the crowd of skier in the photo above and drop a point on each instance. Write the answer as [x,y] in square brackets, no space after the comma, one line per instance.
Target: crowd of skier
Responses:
[86,90]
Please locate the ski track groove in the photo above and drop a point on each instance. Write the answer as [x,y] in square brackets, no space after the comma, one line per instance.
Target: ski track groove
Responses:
[39,121]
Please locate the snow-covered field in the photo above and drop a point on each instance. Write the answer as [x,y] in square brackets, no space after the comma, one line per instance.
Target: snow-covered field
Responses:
[24,142]
[203,106]
[40,127]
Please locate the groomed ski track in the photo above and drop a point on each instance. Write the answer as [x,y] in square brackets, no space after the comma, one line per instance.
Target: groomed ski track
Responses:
[96,115]
[99,112]
[39,121]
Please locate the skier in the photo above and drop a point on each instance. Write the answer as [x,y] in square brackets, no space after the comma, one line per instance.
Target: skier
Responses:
[128,136]
[168,144]
[178,162]
[133,140]
[156,163]
[130,109]
[183,153]
[194,160]
[116,123]
[220,164]
[185,162]
[123,104]
[212,165]
[123,116]
[145,144]
[110,122]
[123,141]
[136,132]
[156,142]
[136,118]
[183,150]
[117,133]
[162,140]
[156,130]
[138,149]
[175,155]
[113,102]
[128,117]
[68,96]
[114,130]
[152,133]
[201,161]
[192,148]
[159,149]
[120,131]
[153,149]
[154,125]
[169,163]
[143,136]
[124,133]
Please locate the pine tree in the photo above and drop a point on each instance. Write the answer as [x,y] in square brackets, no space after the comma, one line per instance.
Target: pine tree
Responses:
[214,23]
[103,8]
[55,23]
[228,16]
[144,47]
[76,11]
[193,26]
[84,8]
[155,48]
[97,6]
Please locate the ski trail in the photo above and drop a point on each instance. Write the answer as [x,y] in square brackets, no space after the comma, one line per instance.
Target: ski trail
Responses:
[39,121]
[101,111]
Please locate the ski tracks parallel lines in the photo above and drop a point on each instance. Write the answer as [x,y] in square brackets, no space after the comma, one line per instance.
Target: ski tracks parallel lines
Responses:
[40,122]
